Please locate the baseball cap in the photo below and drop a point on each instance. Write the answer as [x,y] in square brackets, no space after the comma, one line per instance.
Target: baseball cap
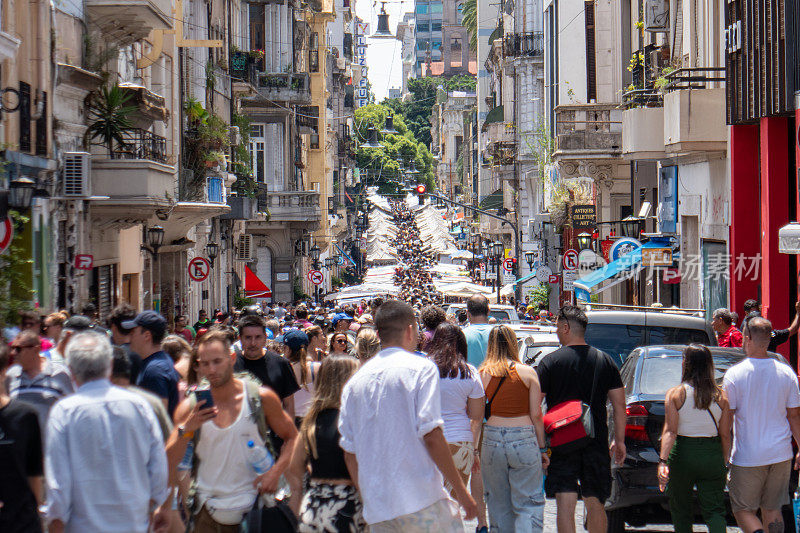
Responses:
[149,320]
[78,323]
[294,339]
[340,316]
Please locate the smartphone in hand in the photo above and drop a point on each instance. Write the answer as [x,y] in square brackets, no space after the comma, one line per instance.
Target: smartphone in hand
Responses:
[204,398]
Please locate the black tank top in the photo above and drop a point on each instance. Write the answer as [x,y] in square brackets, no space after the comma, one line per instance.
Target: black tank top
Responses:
[329,463]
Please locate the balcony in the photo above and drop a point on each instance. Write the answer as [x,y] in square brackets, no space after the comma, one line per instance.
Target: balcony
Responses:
[242,208]
[526,44]
[243,73]
[643,133]
[588,131]
[694,111]
[290,88]
[291,206]
[123,22]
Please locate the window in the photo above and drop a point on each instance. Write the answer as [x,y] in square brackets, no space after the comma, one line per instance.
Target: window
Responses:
[436,45]
[668,335]
[617,340]
[436,26]
[436,7]
[422,9]
[313,52]
[423,27]
[257,151]
[460,12]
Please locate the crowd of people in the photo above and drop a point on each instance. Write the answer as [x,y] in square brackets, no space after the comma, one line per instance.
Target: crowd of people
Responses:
[375,416]
[413,275]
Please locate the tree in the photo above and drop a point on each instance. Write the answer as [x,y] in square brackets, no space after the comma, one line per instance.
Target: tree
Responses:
[470,22]
[382,165]
[110,116]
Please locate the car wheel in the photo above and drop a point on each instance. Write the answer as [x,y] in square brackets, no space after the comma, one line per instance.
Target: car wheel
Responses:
[616,521]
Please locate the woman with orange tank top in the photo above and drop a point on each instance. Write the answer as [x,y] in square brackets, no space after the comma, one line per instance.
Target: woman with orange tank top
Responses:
[513,452]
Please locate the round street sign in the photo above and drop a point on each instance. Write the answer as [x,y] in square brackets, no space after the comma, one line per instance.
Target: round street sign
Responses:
[340,260]
[570,260]
[543,274]
[316,277]
[508,264]
[6,233]
[623,247]
[199,267]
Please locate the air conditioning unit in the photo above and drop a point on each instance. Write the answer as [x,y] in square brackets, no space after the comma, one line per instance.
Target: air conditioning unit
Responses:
[75,174]
[245,251]
[235,135]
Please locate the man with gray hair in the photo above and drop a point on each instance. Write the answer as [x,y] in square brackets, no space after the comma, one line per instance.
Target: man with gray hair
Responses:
[105,464]
[728,336]
[764,416]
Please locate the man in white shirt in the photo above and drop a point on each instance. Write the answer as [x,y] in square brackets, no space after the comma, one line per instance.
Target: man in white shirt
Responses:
[765,414]
[105,465]
[391,427]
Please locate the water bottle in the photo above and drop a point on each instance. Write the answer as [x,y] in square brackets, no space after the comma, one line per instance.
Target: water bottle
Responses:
[259,458]
[186,462]
[796,509]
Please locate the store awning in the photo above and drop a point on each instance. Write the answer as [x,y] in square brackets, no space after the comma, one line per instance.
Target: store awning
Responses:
[617,271]
[253,286]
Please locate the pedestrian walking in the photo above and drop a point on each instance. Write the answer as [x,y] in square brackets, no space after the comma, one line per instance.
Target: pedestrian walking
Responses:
[34,379]
[367,344]
[765,403]
[332,502]
[692,445]
[728,334]
[105,465]
[579,372]
[514,451]
[391,427]
[462,405]
[477,333]
[269,368]
[21,458]
[317,346]
[226,481]
[157,373]
[203,322]
[122,337]
[295,343]
[339,344]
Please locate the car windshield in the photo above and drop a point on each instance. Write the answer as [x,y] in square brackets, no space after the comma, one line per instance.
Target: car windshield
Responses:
[500,315]
[659,374]
[668,335]
[531,355]
[617,340]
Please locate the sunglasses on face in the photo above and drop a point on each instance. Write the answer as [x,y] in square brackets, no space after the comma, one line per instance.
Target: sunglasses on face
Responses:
[340,341]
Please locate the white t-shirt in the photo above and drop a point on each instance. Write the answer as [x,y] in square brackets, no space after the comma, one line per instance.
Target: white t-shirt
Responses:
[455,392]
[760,390]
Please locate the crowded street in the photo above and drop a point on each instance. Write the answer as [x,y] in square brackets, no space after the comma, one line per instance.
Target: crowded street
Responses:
[401,266]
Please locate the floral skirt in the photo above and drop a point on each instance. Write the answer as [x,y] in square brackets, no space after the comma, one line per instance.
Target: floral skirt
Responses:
[330,508]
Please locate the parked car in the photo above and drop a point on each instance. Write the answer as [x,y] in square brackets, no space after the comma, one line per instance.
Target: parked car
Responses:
[505,314]
[535,341]
[619,329]
[647,374]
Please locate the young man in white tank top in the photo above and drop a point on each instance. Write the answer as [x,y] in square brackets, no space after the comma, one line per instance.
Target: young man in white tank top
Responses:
[227,485]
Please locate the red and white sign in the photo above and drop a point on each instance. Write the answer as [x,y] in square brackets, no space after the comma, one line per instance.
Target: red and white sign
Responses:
[84,261]
[508,264]
[316,277]
[6,233]
[199,267]
[671,276]
[570,260]
[553,278]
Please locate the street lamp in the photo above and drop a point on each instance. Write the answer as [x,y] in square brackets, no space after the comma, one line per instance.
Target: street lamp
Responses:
[314,253]
[584,240]
[497,250]
[212,251]
[20,193]
[630,226]
[155,240]
[530,257]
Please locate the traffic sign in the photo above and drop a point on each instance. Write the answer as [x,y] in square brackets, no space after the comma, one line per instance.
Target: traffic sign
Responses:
[199,267]
[84,261]
[316,277]
[491,274]
[508,264]
[553,278]
[623,247]
[569,277]
[657,257]
[508,277]
[570,260]
[543,274]
[6,233]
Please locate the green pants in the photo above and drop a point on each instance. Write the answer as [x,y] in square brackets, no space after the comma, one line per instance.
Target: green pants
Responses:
[697,461]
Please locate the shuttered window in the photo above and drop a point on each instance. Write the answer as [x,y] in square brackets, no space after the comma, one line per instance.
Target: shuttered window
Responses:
[591,68]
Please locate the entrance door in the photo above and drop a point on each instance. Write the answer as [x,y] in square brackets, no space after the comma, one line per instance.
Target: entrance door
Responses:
[715,276]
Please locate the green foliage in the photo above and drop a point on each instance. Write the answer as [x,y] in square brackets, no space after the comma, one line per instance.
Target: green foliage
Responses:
[381,165]
[470,22]
[239,300]
[245,185]
[298,291]
[542,146]
[16,293]
[110,116]
[540,295]
[206,138]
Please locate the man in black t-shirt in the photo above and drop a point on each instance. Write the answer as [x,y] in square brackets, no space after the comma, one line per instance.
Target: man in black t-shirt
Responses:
[568,374]
[268,367]
[21,467]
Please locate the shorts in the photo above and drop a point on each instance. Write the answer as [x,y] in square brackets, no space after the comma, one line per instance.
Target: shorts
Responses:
[586,472]
[443,516]
[463,454]
[753,487]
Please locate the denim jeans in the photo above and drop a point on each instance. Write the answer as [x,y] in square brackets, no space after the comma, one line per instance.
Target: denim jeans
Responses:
[512,477]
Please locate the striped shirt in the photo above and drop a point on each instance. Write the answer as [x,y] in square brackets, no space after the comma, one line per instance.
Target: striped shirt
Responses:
[41,391]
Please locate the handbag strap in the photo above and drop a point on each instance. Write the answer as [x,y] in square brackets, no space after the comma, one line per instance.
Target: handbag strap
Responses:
[489,403]
[593,351]
[713,419]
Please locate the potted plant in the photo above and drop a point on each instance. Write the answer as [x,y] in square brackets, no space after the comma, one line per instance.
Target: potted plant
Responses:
[110,116]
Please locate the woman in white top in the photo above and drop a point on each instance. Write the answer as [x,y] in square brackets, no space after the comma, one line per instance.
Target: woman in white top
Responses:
[463,402]
[692,449]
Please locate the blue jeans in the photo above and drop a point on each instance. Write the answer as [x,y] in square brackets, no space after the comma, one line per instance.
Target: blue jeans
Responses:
[512,478]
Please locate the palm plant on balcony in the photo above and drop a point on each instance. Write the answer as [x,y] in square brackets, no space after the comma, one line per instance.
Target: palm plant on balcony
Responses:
[110,116]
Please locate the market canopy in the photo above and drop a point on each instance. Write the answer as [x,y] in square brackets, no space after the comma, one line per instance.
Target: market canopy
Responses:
[253,286]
